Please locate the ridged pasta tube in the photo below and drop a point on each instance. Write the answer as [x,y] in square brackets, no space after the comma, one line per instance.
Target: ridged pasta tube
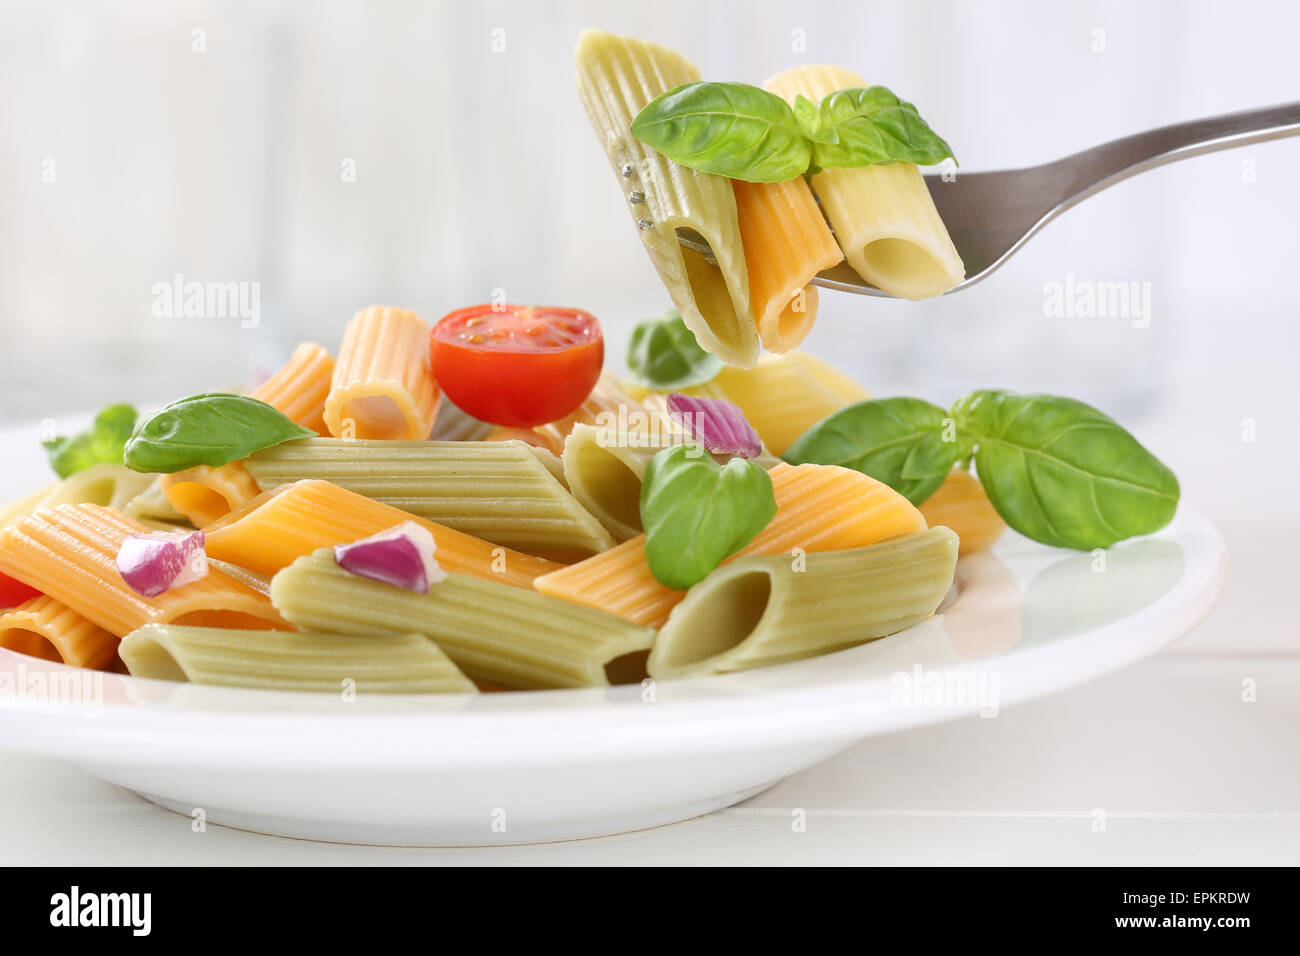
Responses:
[818,508]
[883,215]
[604,468]
[769,610]
[300,386]
[52,631]
[383,384]
[617,76]
[70,553]
[502,635]
[500,491]
[284,660]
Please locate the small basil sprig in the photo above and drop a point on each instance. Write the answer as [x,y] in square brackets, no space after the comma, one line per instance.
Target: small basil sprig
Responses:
[101,443]
[208,429]
[744,132]
[1063,473]
[697,512]
[871,126]
[1056,470]
[664,355]
[900,441]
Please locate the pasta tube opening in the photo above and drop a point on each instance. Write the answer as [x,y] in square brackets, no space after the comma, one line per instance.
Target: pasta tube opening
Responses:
[606,484]
[736,605]
[24,640]
[46,629]
[771,610]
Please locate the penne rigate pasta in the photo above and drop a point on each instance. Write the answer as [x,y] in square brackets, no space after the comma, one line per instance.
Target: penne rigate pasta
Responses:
[785,395]
[760,611]
[152,508]
[883,216]
[383,385]
[530,436]
[508,637]
[284,660]
[52,631]
[961,504]
[819,508]
[604,467]
[616,77]
[288,522]
[609,402]
[786,242]
[300,386]
[112,486]
[70,554]
[452,424]
[502,492]
[203,493]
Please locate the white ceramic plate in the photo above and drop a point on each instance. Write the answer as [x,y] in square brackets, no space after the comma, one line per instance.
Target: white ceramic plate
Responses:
[524,767]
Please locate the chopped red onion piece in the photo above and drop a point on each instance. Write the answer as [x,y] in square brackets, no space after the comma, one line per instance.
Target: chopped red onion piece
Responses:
[717,424]
[161,560]
[403,556]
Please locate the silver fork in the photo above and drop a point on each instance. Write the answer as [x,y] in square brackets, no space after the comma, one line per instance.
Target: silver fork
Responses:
[991,215]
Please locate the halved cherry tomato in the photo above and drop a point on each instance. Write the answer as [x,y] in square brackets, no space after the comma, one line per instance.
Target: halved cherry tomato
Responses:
[518,366]
[14,593]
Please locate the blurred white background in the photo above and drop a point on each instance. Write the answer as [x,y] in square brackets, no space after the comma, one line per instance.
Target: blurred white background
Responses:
[135,148]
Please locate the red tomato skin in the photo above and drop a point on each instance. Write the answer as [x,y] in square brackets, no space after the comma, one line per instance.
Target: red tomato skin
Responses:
[514,388]
[14,593]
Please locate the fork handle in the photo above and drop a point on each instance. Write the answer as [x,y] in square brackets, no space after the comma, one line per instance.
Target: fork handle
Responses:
[1095,169]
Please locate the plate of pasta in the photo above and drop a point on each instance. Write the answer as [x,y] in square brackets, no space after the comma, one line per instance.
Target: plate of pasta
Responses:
[465,581]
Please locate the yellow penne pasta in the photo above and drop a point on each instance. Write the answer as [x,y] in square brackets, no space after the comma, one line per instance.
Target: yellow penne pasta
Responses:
[819,508]
[300,386]
[883,215]
[785,395]
[787,242]
[203,494]
[45,628]
[383,385]
[70,554]
[961,504]
[279,526]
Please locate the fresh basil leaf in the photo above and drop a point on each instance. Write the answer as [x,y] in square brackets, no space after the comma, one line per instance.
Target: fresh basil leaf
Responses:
[810,121]
[696,512]
[731,129]
[208,429]
[101,443]
[1063,473]
[872,126]
[664,355]
[907,443]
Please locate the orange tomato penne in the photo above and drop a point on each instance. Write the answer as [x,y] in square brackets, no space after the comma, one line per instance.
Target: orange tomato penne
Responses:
[818,508]
[204,494]
[300,386]
[280,526]
[961,504]
[786,242]
[70,554]
[383,385]
[45,628]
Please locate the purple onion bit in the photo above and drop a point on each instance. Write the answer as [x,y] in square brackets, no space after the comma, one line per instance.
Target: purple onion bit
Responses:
[717,424]
[402,556]
[161,560]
